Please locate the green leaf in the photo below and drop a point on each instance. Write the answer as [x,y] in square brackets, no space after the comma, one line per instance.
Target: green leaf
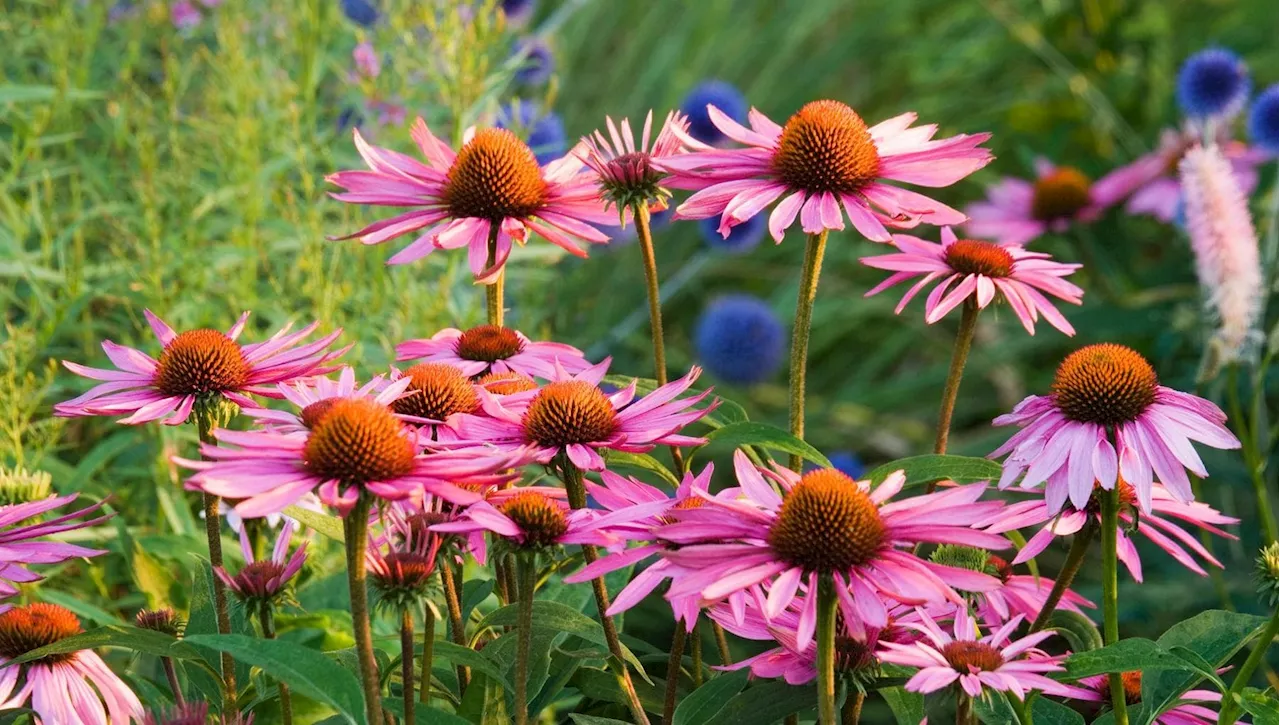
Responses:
[202,619]
[641,461]
[581,719]
[992,709]
[1123,656]
[118,635]
[1047,712]
[477,661]
[1080,631]
[310,673]
[1215,636]
[923,470]
[703,703]
[327,526]
[1261,705]
[559,618]
[765,704]
[13,93]
[907,707]
[423,715]
[747,433]
[601,685]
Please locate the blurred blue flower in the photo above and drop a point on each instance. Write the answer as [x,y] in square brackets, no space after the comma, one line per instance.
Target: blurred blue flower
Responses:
[740,339]
[1212,82]
[848,463]
[519,11]
[360,12]
[1264,120]
[542,130]
[719,94]
[742,238]
[538,63]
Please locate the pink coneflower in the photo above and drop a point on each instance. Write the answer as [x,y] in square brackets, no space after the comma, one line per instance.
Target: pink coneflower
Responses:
[529,519]
[193,713]
[401,559]
[636,511]
[451,505]
[20,544]
[573,416]
[825,525]
[1226,250]
[492,188]
[824,164]
[366,60]
[494,349]
[992,662]
[314,396]
[1151,182]
[184,15]
[627,172]
[437,395]
[194,367]
[1159,525]
[979,270]
[1106,416]
[1021,595]
[1187,711]
[260,584]
[1018,211]
[70,687]
[357,446]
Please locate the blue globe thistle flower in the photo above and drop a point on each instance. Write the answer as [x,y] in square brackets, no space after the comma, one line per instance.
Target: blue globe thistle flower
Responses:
[1264,120]
[360,12]
[742,238]
[1212,82]
[848,463]
[518,12]
[719,94]
[740,340]
[538,62]
[542,130]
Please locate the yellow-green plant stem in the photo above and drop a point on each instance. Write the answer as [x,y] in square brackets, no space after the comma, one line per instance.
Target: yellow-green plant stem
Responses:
[1110,601]
[851,713]
[527,578]
[722,644]
[406,663]
[1252,461]
[1230,709]
[1075,557]
[959,355]
[826,650]
[964,709]
[267,619]
[453,603]
[171,674]
[674,661]
[577,495]
[695,653]
[222,613]
[493,291]
[355,534]
[428,651]
[814,248]
[640,211]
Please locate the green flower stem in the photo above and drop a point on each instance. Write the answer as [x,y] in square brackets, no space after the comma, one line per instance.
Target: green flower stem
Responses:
[406,663]
[695,648]
[674,661]
[827,650]
[213,534]
[813,251]
[493,291]
[1110,604]
[453,603]
[964,709]
[267,619]
[959,355]
[577,494]
[1075,557]
[851,713]
[722,644]
[640,211]
[1230,707]
[171,674]
[1252,461]
[355,533]
[527,576]
[428,652]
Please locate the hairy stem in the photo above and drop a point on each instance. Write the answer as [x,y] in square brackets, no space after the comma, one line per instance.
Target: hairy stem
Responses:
[1110,603]
[171,674]
[493,291]
[268,621]
[1075,557]
[453,603]
[827,651]
[355,533]
[406,663]
[222,612]
[695,647]
[1230,708]
[813,251]
[527,576]
[428,651]
[722,644]
[674,661]
[640,210]
[851,713]
[959,355]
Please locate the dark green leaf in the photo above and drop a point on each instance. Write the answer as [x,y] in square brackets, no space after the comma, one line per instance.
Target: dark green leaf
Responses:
[581,719]
[702,704]
[1047,712]
[601,685]
[474,592]
[992,709]
[641,461]
[907,707]
[1123,656]
[203,620]
[477,661]
[1261,705]
[307,671]
[1080,631]
[764,704]
[423,715]
[117,635]
[558,618]
[747,433]
[1215,636]
[923,470]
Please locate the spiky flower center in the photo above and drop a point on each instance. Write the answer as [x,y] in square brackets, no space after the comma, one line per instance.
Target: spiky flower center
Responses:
[1128,497]
[312,414]
[358,441]
[189,713]
[201,361]
[692,502]
[1003,569]
[827,523]
[405,572]
[1106,384]
[507,383]
[965,656]
[260,580]
[488,343]
[826,146]
[1132,682]
[541,521]
[961,557]
[23,629]
[568,412]
[438,391]
[631,177]
[971,256]
[853,655]
[159,620]
[1060,194]
[495,176]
